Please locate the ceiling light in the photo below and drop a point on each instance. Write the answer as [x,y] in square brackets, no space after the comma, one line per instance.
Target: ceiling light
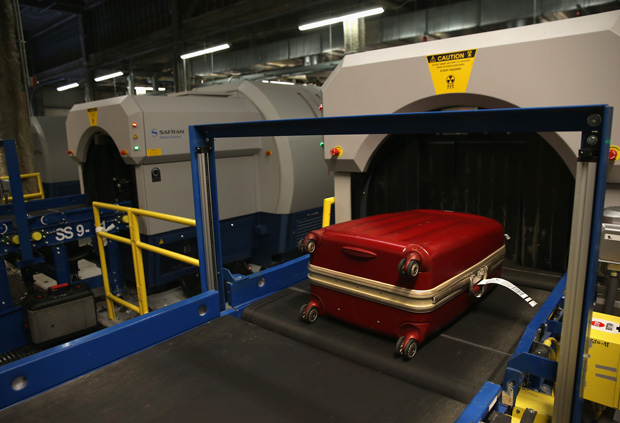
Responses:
[142,90]
[161,89]
[332,21]
[68,87]
[108,76]
[282,82]
[205,51]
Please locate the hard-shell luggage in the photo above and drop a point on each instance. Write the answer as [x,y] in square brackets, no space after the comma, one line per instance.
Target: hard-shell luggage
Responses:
[405,274]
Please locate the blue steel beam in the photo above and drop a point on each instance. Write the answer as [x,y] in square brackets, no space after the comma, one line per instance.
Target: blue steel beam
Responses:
[544,119]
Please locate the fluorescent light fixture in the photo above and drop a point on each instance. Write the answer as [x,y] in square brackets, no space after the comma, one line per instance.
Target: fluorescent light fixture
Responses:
[109,76]
[282,82]
[142,90]
[68,87]
[161,89]
[332,21]
[205,51]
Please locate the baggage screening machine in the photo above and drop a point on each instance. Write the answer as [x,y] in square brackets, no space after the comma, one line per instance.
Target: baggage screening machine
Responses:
[136,148]
[525,182]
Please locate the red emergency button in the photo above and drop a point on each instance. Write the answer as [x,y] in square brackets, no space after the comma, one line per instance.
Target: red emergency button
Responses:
[70,152]
[614,151]
[268,153]
[336,151]
[123,152]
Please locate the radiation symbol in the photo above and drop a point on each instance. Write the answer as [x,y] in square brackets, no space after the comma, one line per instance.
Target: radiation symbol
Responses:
[450,80]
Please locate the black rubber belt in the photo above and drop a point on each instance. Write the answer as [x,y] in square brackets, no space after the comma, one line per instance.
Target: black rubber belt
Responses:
[230,369]
[454,363]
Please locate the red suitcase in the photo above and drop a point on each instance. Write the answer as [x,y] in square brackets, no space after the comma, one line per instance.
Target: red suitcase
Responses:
[404,274]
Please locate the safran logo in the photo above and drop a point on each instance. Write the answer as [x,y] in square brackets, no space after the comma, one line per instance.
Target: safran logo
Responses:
[167,133]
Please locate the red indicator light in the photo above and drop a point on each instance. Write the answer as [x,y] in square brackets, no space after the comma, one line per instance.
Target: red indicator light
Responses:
[320,107]
[134,124]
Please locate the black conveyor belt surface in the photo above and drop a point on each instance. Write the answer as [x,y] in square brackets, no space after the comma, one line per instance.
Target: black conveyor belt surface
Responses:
[454,364]
[230,369]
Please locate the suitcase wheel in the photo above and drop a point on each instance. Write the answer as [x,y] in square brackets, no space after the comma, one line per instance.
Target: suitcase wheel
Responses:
[409,269]
[400,346]
[308,314]
[411,348]
[310,246]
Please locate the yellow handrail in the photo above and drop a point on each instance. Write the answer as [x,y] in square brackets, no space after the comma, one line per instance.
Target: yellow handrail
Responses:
[327,211]
[39,194]
[136,249]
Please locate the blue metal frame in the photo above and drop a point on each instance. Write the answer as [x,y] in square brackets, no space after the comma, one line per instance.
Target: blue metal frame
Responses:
[72,359]
[481,405]
[556,119]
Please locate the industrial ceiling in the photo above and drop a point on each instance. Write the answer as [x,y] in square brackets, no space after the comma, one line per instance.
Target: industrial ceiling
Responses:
[77,40]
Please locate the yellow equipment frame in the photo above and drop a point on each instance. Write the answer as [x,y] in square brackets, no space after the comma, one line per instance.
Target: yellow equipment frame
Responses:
[23,176]
[136,248]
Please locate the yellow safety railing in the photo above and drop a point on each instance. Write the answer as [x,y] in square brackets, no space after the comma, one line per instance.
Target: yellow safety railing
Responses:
[327,211]
[136,249]
[23,176]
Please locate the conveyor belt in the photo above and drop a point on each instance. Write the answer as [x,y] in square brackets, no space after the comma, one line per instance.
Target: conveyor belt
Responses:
[288,371]
[230,369]
[454,364]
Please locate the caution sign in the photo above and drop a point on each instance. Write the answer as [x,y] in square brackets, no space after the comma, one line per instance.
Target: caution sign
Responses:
[450,71]
[153,152]
[92,116]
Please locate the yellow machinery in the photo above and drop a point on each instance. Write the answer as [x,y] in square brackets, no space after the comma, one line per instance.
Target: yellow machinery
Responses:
[601,376]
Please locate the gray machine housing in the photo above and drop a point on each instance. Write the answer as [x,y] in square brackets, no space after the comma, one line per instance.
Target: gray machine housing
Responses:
[278,175]
[59,176]
[566,62]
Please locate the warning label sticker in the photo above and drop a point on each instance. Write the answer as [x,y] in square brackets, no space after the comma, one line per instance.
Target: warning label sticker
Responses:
[153,152]
[92,116]
[450,71]
[605,326]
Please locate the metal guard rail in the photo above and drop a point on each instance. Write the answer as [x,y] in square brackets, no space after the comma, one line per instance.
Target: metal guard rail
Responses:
[136,249]
[23,176]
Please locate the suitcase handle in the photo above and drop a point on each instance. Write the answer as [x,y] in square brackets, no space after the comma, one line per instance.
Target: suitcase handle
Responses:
[359,253]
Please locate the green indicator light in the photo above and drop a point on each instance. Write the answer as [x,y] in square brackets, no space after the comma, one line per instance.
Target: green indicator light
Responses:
[135,147]
[322,144]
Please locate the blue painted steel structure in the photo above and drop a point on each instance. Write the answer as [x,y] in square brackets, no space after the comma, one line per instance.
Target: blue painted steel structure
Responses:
[60,364]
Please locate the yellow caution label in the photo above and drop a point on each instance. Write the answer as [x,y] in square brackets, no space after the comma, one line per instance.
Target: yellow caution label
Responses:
[450,71]
[153,152]
[161,241]
[92,116]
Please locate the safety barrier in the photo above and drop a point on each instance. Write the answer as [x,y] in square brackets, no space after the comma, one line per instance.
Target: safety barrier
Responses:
[23,176]
[327,210]
[136,248]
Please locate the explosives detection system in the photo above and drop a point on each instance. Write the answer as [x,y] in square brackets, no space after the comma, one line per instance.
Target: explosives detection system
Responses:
[270,189]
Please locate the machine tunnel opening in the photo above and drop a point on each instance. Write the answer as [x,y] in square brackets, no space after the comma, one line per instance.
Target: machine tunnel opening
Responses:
[106,176]
[516,179]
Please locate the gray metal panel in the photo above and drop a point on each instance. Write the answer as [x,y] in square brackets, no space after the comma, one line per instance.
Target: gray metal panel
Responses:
[50,150]
[454,17]
[407,25]
[494,11]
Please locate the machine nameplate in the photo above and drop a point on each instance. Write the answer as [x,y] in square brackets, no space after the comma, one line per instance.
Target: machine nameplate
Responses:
[450,71]
[67,233]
